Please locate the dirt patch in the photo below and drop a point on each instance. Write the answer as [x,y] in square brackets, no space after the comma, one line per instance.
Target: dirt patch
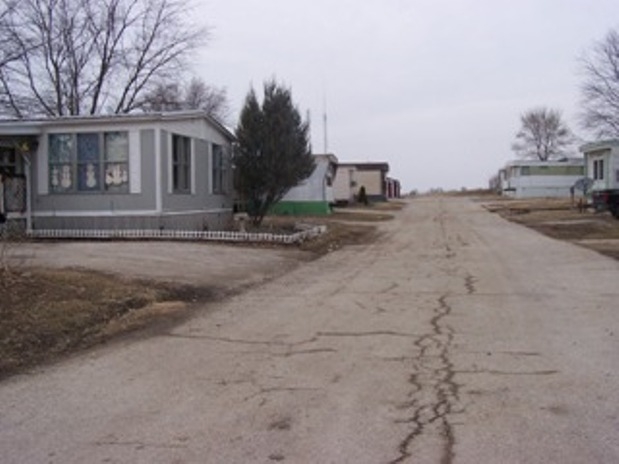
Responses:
[560,219]
[344,227]
[360,216]
[391,205]
[49,312]
[339,235]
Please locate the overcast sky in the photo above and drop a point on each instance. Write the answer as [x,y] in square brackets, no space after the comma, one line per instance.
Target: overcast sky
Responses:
[433,87]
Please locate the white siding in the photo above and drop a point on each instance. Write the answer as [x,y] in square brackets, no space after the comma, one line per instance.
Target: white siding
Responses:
[135,163]
[312,188]
[343,191]
[42,167]
[542,186]
[193,165]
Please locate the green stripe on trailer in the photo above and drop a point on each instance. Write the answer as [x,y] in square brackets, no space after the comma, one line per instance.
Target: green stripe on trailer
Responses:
[301,208]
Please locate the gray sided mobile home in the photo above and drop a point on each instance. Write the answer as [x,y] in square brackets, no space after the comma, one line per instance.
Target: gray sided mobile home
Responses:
[143,171]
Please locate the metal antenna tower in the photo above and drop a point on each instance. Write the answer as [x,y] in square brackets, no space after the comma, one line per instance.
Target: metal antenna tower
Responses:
[324,122]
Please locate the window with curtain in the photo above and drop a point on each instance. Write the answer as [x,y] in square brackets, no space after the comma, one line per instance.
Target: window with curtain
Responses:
[89,162]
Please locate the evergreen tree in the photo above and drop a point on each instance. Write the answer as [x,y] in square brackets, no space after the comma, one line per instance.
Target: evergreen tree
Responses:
[273,153]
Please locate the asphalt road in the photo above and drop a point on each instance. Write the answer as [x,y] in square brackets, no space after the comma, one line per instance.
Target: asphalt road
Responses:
[458,337]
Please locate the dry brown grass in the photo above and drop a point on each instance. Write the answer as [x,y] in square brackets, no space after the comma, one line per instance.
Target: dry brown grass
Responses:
[338,235]
[359,216]
[559,219]
[391,205]
[45,313]
[349,227]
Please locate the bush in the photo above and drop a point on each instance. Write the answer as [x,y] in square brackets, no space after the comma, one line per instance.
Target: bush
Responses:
[362,197]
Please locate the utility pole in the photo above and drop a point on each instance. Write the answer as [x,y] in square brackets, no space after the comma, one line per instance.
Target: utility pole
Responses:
[324,122]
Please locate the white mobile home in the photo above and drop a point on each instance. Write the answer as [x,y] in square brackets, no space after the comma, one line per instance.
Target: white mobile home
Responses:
[350,177]
[533,178]
[314,195]
[602,164]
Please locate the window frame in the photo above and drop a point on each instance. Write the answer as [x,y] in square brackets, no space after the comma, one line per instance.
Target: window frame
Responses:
[598,169]
[181,164]
[10,168]
[113,166]
[219,169]
[75,165]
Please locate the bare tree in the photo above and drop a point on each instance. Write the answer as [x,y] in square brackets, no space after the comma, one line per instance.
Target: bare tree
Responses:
[213,100]
[543,135]
[71,57]
[600,91]
[164,97]
[195,95]
[8,52]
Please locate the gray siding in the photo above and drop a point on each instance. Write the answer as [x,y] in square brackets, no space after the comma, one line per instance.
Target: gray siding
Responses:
[149,159]
[202,199]
[195,221]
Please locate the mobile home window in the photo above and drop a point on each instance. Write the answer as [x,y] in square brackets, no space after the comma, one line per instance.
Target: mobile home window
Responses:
[89,162]
[61,162]
[219,170]
[598,169]
[181,164]
[116,161]
[8,161]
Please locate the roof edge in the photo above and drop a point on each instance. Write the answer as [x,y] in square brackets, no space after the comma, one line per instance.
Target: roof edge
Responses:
[40,123]
[599,145]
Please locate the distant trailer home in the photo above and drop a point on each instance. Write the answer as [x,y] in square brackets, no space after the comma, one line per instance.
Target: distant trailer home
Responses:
[350,177]
[602,164]
[314,195]
[531,178]
[143,171]
[393,188]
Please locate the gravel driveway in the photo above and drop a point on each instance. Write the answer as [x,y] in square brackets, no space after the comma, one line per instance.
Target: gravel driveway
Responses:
[221,266]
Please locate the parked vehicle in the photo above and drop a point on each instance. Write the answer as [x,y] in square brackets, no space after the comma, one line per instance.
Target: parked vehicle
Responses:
[607,200]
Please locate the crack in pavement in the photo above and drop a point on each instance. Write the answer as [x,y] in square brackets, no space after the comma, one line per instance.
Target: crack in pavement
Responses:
[497,372]
[301,352]
[391,287]
[139,444]
[282,349]
[374,333]
[268,390]
[241,341]
[433,380]
[469,284]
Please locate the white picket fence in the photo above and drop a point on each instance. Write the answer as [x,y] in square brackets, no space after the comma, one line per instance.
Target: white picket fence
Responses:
[218,236]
